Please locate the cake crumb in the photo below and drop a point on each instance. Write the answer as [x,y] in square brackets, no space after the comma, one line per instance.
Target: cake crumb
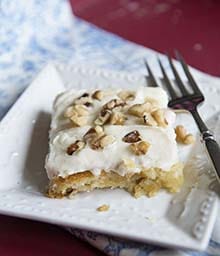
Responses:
[151,219]
[103,208]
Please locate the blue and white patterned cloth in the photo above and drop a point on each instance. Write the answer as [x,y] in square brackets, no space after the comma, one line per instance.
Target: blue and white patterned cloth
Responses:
[34,32]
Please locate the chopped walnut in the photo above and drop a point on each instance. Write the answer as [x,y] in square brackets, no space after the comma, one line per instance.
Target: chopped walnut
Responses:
[95,142]
[99,129]
[140,148]
[106,141]
[106,111]
[132,137]
[78,114]
[103,208]
[102,142]
[149,120]
[97,139]
[117,118]
[140,109]
[180,133]
[113,104]
[182,136]
[93,133]
[189,139]
[103,117]
[98,95]
[75,147]
[126,95]
[79,120]
[158,115]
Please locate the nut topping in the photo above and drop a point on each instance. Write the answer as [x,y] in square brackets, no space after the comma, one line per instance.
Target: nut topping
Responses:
[75,147]
[79,120]
[102,142]
[78,114]
[103,208]
[117,118]
[126,95]
[93,133]
[189,139]
[149,120]
[182,136]
[140,109]
[97,139]
[140,148]
[106,141]
[158,115]
[113,104]
[98,95]
[103,117]
[132,137]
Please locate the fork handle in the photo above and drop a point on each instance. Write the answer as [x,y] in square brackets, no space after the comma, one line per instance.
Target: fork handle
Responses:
[212,146]
[214,152]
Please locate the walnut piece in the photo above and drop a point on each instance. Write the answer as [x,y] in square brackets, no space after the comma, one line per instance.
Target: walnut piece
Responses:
[78,114]
[126,95]
[140,109]
[102,141]
[132,137]
[140,148]
[106,140]
[79,120]
[103,117]
[97,139]
[93,133]
[114,103]
[103,208]
[149,120]
[98,95]
[75,147]
[117,118]
[189,139]
[158,115]
[182,136]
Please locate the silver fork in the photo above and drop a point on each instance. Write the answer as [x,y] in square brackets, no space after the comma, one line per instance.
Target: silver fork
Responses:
[190,102]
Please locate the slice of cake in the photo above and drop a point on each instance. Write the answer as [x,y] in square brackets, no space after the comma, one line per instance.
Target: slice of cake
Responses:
[113,139]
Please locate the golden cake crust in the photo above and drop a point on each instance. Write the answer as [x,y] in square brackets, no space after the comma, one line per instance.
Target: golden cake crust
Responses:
[148,182]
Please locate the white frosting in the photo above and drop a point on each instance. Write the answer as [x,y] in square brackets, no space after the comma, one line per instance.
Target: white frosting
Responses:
[162,152]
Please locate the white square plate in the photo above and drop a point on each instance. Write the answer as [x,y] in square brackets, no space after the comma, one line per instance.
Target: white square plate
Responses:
[183,220]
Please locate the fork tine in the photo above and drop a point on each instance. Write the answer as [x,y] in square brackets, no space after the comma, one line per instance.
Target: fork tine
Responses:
[153,82]
[177,77]
[167,81]
[187,72]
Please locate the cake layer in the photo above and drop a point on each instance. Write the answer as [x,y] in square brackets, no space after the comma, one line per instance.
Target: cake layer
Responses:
[147,182]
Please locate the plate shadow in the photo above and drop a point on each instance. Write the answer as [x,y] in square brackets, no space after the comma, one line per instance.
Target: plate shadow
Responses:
[34,174]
